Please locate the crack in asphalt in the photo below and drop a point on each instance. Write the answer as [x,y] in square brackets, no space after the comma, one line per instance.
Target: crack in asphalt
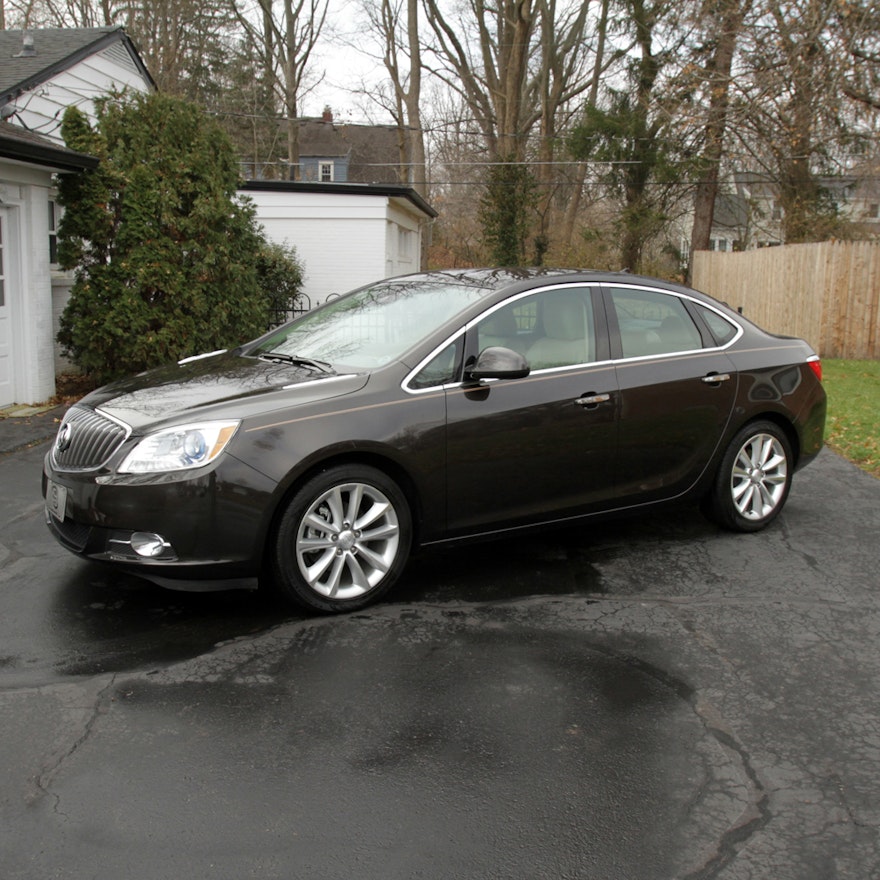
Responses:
[45,777]
[754,818]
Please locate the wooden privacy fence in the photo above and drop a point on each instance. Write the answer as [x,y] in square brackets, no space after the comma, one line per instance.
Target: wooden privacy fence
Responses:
[826,293]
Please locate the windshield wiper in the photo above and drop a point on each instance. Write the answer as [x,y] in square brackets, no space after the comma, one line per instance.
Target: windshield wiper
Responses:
[296,360]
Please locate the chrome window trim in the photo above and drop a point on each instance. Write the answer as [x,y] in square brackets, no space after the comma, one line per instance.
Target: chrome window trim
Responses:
[589,285]
[693,351]
[427,360]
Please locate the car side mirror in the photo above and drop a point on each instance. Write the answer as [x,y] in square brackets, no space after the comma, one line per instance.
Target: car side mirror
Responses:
[496,362]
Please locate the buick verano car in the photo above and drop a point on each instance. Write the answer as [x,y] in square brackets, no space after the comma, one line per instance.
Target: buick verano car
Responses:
[427,409]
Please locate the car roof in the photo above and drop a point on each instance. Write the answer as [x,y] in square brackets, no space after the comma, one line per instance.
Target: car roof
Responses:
[514,279]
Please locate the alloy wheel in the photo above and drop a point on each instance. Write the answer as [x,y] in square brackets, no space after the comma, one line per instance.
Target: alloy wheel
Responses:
[347,540]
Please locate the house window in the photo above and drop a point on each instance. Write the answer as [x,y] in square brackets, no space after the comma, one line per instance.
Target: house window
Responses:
[776,211]
[874,211]
[53,232]
[326,172]
[404,244]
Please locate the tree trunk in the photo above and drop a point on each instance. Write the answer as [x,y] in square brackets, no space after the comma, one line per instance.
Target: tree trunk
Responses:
[733,13]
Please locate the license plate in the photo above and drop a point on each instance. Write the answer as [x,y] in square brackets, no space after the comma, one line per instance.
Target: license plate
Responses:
[56,500]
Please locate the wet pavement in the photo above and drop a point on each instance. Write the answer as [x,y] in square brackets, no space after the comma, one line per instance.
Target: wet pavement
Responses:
[650,699]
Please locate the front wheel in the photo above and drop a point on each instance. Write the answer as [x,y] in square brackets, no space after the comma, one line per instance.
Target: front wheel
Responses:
[343,539]
[754,478]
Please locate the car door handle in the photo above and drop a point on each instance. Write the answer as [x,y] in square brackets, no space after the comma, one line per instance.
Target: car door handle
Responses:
[715,378]
[592,399]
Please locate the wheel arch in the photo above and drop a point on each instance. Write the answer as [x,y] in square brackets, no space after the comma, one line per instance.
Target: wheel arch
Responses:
[707,479]
[784,424]
[368,458]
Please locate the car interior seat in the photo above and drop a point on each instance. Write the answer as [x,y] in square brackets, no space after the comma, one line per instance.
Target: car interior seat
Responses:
[566,339]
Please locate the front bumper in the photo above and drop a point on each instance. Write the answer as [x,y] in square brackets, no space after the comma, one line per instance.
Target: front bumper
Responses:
[195,530]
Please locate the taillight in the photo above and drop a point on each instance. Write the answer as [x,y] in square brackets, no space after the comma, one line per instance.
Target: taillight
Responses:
[815,364]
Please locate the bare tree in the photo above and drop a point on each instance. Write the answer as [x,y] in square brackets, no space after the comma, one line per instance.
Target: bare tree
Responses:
[185,44]
[639,131]
[395,24]
[518,66]
[284,36]
[723,21]
[485,59]
[802,59]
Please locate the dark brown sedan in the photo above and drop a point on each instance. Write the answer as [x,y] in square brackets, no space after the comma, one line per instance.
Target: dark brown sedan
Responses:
[426,409]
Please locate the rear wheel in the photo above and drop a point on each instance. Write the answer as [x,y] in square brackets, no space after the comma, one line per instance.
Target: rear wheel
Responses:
[343,539]
[754,479]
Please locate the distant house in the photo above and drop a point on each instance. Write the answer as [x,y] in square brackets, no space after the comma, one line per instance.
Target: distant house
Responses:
[856,198]
[751,216]
[331,152]
[347,235]
[338,152]
[42,73]
[355,227]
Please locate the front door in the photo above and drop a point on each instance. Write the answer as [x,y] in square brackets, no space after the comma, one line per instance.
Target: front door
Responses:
[541,448]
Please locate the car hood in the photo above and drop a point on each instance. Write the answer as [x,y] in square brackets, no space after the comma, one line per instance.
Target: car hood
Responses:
[218,386]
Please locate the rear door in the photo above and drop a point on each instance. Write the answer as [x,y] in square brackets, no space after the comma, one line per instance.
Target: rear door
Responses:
[677,388]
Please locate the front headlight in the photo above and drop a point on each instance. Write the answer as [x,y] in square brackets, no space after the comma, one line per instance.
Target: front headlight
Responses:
[179,448]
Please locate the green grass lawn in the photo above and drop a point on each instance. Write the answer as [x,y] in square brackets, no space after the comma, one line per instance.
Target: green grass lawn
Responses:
[853,426]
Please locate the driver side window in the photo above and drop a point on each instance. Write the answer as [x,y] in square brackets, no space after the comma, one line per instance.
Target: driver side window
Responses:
[553,328]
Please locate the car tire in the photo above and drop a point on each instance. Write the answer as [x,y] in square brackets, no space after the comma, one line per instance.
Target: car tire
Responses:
[343,539]
[754,478]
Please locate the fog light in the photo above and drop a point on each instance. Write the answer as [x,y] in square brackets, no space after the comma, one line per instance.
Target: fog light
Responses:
[149,545]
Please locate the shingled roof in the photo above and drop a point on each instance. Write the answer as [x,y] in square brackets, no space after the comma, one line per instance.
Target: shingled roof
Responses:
[373,151]
[54,50]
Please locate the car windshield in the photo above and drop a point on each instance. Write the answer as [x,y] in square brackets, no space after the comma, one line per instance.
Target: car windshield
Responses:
[372,326]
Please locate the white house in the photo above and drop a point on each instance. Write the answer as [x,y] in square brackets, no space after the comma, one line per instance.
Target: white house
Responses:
[41,74]
[347,235]
[27,326]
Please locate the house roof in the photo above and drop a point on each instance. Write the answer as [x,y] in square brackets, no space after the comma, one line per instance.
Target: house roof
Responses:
[731,212]
[388,190]
[372,150]
[54,51]
[20,145]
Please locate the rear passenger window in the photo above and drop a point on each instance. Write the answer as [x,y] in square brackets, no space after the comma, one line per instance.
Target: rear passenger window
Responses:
[653,323]
[722,329]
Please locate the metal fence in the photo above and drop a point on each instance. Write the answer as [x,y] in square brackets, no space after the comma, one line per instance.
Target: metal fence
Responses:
[826,293]
[299,305]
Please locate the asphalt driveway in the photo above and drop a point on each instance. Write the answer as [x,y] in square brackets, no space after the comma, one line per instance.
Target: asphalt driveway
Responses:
[646,699]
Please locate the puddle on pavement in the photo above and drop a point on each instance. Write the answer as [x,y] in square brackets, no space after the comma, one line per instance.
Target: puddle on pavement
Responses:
[107,621]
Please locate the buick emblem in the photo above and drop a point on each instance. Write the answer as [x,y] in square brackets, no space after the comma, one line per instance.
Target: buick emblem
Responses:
[62,444]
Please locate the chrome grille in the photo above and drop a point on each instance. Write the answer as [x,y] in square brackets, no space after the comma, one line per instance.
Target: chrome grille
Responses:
[86,440]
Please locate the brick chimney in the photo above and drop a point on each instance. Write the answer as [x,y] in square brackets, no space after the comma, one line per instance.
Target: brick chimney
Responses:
[327,115]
